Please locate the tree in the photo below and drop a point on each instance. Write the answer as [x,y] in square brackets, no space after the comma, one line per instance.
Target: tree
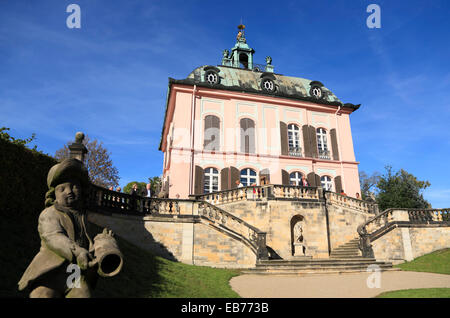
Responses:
[17,141]
[401,190]
[100,167]
[367,184]
[155,185]
[142,186]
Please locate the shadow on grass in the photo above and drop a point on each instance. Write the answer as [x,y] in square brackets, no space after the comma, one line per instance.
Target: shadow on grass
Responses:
[143,274]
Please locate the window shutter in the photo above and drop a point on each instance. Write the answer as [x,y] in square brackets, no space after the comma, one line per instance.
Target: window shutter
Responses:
[284,138]
[338,184]
[313,140]
[306,142]
[211,133]
[334,145]
[224,185]
[198,185]
[234,175]
[312,180]
[265,173]
[284,177]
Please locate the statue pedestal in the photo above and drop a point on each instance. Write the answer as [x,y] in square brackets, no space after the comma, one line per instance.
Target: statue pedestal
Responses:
[300,250]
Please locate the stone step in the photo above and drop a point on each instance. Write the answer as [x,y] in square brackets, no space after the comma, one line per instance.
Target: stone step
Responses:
[313,271]
[333,261]
[345,251]
[347,247]
[344,254]
[323,265]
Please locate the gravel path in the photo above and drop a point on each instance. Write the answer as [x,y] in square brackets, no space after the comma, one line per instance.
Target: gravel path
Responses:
[350,285]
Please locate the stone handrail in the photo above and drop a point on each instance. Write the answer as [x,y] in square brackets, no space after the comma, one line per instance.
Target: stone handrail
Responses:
[375,227]
[233,195]
[123,203]
[255,238]
[295,192]
[101,198]
[272,191]
[352,203]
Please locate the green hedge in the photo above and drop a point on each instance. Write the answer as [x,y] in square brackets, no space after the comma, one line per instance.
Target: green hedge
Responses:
[23,184]
[23,179]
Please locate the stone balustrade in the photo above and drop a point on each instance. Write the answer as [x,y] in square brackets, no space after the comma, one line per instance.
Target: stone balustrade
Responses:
[376,226]
[295,192]
[233,195]
[236,226]
[351,203]
[107,200]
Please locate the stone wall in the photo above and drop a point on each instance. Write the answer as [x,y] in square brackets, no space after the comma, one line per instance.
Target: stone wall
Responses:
[343,223]
[425,240]
[183,239]
[213,248]
[274,217]
[408,242]
[389,246]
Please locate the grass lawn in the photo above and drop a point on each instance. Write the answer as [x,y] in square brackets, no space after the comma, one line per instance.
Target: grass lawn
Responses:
[146,275]
[436,262]
[417,293]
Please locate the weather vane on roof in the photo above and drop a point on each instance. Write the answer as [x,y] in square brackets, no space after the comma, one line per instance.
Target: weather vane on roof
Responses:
[241,34]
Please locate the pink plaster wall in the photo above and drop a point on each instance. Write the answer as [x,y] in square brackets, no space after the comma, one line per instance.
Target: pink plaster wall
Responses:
[266,112]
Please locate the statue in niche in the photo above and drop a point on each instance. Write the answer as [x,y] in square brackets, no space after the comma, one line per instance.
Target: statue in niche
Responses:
[299,241]
[69,262]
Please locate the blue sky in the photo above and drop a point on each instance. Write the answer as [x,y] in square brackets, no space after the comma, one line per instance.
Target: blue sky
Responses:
[109,79]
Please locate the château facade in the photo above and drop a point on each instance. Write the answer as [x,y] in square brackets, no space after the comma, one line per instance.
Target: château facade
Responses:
[243,121]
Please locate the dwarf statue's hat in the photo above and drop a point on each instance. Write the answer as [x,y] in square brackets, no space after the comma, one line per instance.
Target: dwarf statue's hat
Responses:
[68,170]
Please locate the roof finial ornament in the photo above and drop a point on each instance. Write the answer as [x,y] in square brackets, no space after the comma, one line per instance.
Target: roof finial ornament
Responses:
[241,35]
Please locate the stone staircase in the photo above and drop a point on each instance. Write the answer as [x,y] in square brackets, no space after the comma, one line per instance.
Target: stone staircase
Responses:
[317,266]
[347,250]
[344,259]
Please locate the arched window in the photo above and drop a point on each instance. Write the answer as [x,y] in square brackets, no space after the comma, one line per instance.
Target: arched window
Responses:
[322,144]
[294,140]
[326,183]
[247,135]
[211,180]
[248,177]
[212,133]
[295,178]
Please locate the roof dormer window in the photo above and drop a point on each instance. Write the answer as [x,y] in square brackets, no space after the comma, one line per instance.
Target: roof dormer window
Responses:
[316,91]
[268,85]
[212,75]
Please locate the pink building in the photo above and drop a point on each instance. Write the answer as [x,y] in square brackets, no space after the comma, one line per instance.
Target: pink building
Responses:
[242,121]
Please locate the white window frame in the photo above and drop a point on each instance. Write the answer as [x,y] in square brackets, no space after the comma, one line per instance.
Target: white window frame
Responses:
[297,179]
[210,180]
[327,184]
[247,179]
[322,143]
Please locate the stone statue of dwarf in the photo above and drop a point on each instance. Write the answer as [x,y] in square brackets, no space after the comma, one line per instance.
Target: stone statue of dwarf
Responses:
[65,241]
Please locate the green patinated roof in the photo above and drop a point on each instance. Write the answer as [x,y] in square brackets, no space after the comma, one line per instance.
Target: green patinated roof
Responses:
[249,81]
